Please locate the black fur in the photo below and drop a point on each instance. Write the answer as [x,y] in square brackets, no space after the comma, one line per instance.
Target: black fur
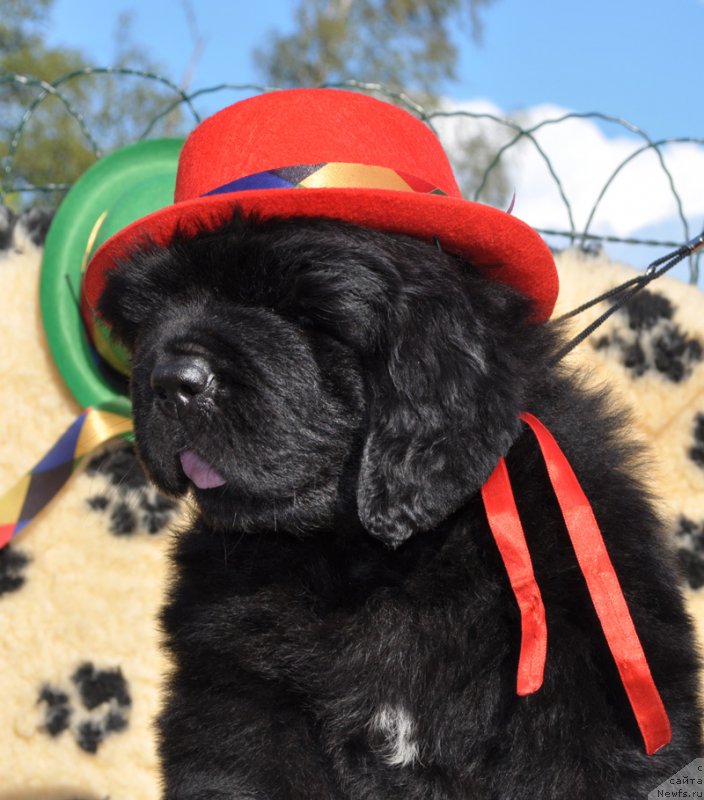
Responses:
[340,620]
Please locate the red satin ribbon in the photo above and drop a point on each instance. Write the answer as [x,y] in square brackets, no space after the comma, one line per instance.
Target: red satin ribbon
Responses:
[506,527]
[602,583]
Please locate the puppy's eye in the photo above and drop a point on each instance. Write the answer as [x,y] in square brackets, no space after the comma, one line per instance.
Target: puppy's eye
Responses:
[305,322]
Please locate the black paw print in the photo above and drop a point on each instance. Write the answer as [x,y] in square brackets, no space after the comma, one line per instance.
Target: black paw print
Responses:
[12,567]
[36,222]
[696,451]
[103,701]
[652,340]
[131,503]
[690,550]
[7,224]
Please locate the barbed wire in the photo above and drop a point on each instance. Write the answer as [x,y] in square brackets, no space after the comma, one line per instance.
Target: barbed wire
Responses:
[12,183]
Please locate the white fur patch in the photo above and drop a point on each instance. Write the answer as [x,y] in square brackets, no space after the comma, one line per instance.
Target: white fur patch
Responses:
[397,727]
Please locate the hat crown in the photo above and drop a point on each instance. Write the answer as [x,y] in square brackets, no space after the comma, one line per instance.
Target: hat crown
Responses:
[304,127]
[310,153]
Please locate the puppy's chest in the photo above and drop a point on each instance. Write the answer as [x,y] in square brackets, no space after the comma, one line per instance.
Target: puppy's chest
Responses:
[329,624]
[373,650]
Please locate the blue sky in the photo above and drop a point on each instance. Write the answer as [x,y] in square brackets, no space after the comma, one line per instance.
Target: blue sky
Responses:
[636,59]
[640,59]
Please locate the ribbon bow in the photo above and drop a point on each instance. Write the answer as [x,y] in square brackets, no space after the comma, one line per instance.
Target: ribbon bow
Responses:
[600,577]
[21,504]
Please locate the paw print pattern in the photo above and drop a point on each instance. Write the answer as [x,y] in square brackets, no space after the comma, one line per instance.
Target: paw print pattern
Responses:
[7,222]
[652,340]
[36,222]
[33,224]
[94,706]
[57,715]
[690,550]
[12,566]
[130,502]
[696,451]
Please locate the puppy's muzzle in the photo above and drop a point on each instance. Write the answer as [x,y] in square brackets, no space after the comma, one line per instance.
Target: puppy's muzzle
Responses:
[179,383]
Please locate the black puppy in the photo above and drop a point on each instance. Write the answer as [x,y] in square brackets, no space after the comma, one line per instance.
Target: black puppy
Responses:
[341,622]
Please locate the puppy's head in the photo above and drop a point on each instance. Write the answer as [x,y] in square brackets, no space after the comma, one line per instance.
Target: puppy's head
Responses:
[291,371]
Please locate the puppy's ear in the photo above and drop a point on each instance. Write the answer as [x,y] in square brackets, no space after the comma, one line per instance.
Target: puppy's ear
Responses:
[445,391]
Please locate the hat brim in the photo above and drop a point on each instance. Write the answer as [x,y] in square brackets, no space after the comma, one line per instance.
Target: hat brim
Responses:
[498,244]
[65,253]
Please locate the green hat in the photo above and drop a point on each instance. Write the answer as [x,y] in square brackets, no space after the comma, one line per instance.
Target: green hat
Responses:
[117,190]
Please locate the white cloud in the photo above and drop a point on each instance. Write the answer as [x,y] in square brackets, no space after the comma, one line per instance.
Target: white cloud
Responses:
[584,158]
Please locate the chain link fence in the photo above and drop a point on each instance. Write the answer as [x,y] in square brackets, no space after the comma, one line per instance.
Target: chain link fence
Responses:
[505,144]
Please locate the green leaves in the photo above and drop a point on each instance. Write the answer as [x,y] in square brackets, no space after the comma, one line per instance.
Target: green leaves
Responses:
[404,44]
[52,146]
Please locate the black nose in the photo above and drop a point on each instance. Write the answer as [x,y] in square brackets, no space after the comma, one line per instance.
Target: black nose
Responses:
[178,381]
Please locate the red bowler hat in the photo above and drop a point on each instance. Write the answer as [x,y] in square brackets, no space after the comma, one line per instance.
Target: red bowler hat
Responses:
[341,155]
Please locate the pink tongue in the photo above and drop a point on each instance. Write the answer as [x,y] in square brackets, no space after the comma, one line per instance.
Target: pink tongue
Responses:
[199,471]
